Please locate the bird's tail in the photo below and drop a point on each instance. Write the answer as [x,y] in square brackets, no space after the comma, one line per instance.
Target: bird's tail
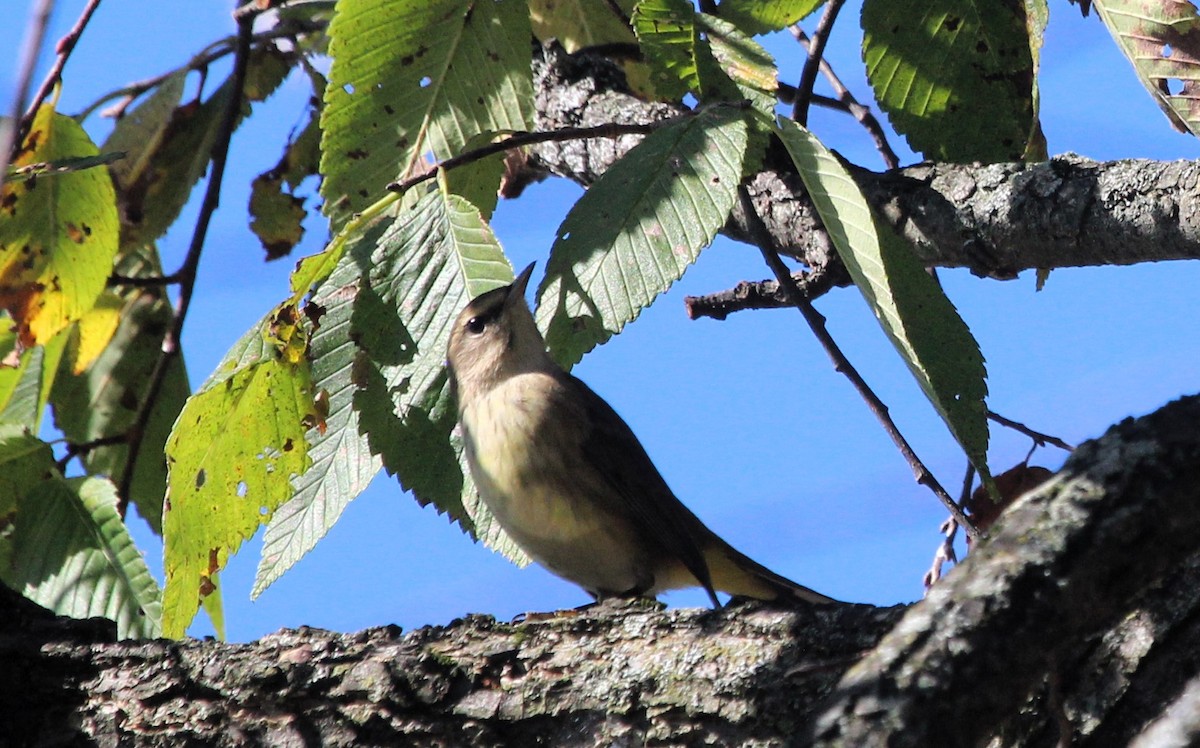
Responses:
[738,574]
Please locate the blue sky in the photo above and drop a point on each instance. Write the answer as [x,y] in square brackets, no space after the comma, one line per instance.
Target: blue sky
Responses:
[745,418]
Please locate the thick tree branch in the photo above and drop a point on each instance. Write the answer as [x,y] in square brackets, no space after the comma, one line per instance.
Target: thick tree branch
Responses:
[1059,572]
[1092,583]
[996,220]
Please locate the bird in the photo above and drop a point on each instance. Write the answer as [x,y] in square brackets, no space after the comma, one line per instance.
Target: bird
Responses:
[567,479]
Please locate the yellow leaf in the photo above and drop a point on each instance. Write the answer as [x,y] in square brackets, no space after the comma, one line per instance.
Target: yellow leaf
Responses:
[96,329]
[58,233]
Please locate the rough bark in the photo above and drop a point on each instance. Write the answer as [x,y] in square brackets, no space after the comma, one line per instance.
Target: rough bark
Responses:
[1080,614]
[994,219]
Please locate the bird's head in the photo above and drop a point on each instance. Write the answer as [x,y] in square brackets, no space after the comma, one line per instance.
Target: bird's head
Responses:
[495,337]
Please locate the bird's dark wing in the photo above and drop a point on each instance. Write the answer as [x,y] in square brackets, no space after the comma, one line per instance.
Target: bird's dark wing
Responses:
[618,458]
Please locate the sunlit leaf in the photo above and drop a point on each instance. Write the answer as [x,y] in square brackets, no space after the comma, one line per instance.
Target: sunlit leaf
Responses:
[417,77]
[58,235]
[914,312]
[636,230]
[231,456]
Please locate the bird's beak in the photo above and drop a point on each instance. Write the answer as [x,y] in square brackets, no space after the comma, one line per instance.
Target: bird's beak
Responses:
[517,289]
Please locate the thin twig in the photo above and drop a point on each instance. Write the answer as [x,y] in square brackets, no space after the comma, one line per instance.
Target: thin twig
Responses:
[64,48]
[520,139]
[10,140]
[816,322]
[82,448]
[187,270]
[1038,437]
[200,61]
[860,112]
[146,281]
[945,553]
[765,294]
[816,54]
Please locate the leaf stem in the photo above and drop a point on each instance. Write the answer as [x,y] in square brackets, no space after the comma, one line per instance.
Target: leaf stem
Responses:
[816,322]
[1038,437]
[521,139]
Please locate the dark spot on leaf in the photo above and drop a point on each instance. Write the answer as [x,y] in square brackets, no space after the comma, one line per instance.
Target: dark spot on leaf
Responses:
[982,47]
[388,108]
[201,476]
[951,23]
[74,233]
[289,445]
[357,154]
[206,586]
[406,60]
[212,560]
[363,193]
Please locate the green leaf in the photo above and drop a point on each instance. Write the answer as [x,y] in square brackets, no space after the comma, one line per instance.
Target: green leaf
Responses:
[20,385]
[417,77]
[25,462]
[667,34]
[58,236]
[140,133]
[103,401]
[914,312]
[636,230]
[956,78]
[378,355]
[172,156]
[278,214]
[578,24]
[72,553]
[231,457]
[756,17]
[1162,40]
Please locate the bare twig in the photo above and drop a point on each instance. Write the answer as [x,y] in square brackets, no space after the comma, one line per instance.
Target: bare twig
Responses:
[520,139]
[860,112]
[64,48]
[82,448]
[945,553]
[200,61]
[765,294]
[186,274]
[10,137]
[816,54]
[1038,437]
[148,281]
[816,322]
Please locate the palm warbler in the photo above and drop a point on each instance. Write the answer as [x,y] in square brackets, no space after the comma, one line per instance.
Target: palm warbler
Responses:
[567,479]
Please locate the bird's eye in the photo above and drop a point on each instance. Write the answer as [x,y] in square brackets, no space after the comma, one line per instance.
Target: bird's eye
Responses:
[475,325]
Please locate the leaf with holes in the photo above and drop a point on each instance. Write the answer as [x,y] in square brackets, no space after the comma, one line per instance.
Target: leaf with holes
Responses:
[417,77]
[636,230]
[1162,40]
[378,355]
[914,312]
[231,457]
[957,79]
